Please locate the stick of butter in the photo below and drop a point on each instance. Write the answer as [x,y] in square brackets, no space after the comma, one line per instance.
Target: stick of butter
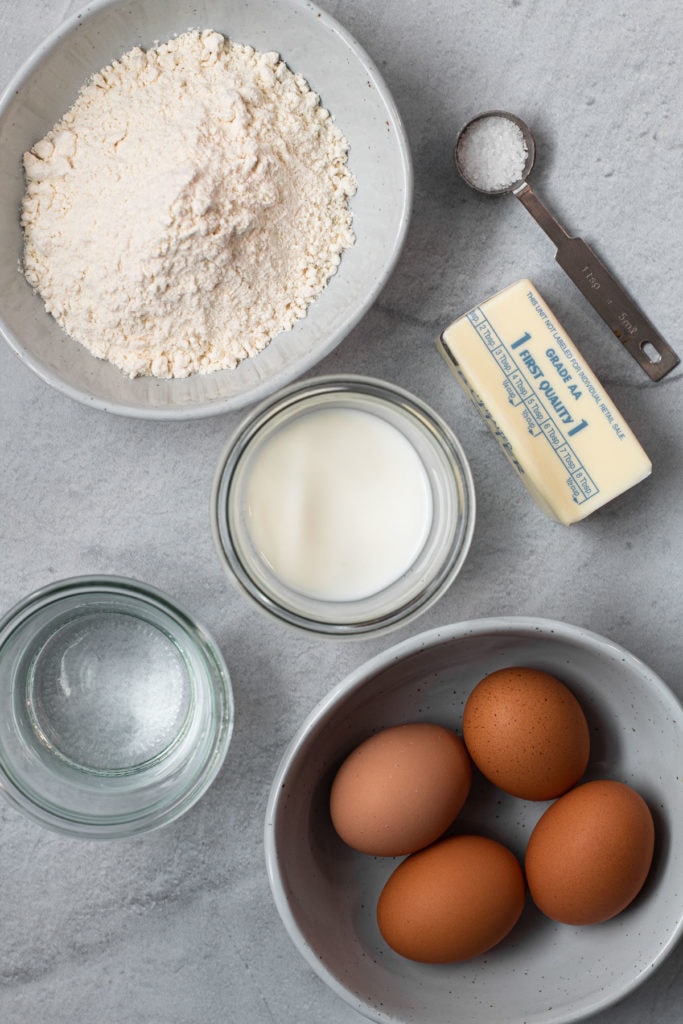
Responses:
[547,409]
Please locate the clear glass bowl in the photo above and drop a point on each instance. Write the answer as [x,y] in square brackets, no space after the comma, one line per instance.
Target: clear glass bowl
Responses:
[116,708]
[439,556]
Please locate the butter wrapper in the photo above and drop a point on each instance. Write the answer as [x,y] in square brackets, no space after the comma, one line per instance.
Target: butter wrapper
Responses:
[550,414]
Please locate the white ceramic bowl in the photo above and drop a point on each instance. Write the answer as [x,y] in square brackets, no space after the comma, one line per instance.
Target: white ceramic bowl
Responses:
[543,972]
[313,44]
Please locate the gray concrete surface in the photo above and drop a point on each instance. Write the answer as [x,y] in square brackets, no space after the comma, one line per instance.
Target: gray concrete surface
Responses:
[179,926]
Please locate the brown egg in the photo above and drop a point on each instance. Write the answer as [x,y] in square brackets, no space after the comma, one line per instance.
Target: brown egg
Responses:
[590,853]
[526,733]
[452,901]
[400,789]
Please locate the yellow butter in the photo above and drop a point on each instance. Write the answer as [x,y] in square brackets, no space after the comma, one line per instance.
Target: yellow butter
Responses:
[551,415]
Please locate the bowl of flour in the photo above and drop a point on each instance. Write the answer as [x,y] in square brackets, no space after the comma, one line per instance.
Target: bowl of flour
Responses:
[198,202]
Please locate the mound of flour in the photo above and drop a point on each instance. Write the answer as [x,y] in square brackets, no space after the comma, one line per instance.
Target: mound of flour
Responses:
[187,208]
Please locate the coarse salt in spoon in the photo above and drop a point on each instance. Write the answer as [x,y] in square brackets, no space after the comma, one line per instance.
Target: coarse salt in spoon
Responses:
[494,154]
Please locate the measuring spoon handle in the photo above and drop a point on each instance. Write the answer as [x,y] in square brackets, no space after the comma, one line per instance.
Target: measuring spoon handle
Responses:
[625,319]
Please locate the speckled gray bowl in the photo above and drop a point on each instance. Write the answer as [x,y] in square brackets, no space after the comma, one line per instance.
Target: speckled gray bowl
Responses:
[313,44]
[543,972]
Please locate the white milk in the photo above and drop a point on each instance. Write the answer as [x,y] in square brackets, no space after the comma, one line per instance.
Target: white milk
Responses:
[338,504]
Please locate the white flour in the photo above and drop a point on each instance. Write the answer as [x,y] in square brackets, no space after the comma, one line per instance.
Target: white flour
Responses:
[187,208]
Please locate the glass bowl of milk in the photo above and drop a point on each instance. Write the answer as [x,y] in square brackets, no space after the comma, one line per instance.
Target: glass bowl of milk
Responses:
[343,505]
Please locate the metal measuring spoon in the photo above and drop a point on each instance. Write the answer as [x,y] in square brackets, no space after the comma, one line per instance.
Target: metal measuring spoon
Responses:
[616,307]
